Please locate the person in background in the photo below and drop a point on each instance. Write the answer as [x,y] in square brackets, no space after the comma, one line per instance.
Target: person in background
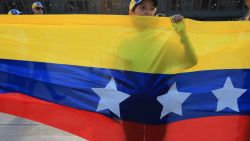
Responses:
[247,17]
[37,8]
[14,12]
[148,8]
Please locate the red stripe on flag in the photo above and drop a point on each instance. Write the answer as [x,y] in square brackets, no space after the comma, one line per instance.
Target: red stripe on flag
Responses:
[85,124]
[96,127]
[220,128]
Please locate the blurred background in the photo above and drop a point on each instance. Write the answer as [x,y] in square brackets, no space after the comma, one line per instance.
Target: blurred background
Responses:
[195,9]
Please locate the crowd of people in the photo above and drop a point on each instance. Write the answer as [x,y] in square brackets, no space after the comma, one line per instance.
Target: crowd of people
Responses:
[37,9]
[136,8]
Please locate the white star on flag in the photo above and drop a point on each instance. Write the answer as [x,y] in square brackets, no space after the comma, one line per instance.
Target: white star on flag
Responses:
[228,96]
[110,98]
[172,101]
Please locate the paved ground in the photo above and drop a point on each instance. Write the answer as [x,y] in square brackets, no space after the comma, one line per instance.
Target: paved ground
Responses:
[17,129]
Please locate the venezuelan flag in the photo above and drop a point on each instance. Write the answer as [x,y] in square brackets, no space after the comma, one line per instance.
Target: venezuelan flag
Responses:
[128,78]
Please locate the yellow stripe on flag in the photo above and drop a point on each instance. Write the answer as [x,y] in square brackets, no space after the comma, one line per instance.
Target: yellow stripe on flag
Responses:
[141,44]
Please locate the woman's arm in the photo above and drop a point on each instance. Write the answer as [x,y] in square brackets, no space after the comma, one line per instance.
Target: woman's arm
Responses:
[189,50]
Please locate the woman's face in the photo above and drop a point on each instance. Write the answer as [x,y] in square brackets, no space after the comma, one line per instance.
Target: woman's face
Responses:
[145,8]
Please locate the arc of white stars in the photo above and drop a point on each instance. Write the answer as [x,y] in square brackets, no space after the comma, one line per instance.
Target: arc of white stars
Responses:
[228,96]
[110,98]
[172,101]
